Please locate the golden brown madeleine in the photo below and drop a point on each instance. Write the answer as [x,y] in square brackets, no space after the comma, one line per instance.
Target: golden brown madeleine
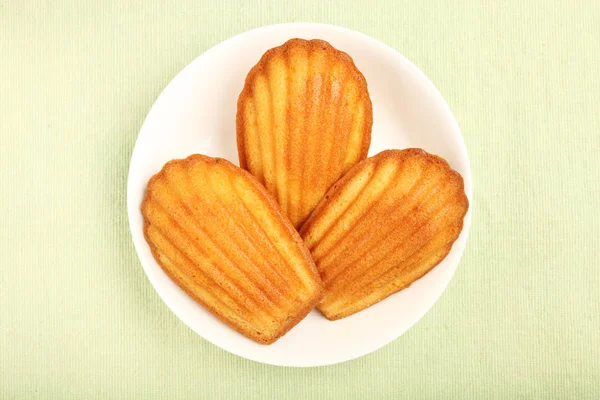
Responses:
[223,239]
[304,119]
[385,224]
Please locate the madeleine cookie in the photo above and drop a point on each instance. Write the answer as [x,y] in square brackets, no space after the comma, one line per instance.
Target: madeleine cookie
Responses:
[304,119]
[385,224]
[223,239]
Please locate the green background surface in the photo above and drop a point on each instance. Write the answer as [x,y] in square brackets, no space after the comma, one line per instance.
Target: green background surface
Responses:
[79,319]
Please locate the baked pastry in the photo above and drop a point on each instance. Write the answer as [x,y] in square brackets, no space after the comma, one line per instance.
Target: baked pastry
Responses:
[386,223]
[304,119]
[223,239]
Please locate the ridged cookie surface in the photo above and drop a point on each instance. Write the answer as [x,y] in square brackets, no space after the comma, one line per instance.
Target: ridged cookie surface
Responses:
[223,239]
[304,119]
[386,223]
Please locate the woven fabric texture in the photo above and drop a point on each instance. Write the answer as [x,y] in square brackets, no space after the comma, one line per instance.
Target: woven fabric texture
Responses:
[78,317]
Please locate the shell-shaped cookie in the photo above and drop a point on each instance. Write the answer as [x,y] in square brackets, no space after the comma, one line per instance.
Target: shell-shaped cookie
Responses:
[386,223]
[222,238]
[304,119]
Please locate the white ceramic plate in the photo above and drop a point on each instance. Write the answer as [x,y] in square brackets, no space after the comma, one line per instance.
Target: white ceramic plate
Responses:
[196,114]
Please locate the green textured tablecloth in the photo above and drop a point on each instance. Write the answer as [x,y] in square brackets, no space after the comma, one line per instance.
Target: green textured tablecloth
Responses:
[79,319]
